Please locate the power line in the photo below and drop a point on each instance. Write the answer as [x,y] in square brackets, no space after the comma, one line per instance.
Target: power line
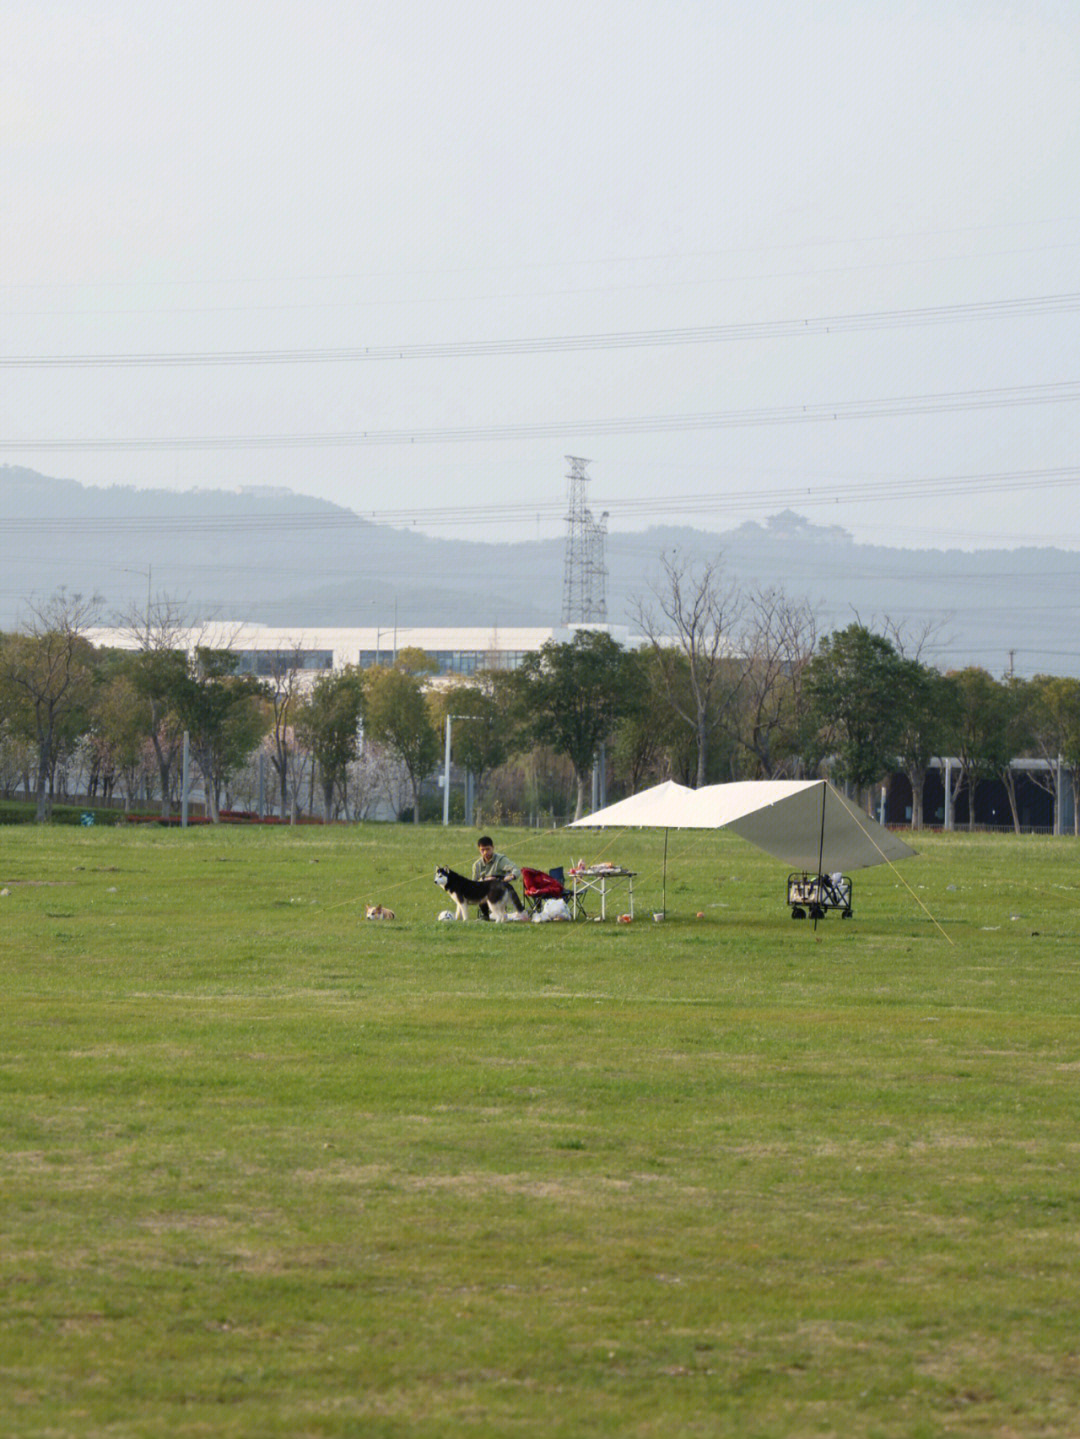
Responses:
[409,275]
[566,344]
[893,407]
[770,247]
[870,490]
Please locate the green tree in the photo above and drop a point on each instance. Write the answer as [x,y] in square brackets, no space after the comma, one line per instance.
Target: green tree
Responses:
[982,735]
[926,704]
[159,678]
[120,726]
[329,725]
[16,752]
[571,696]
[1017,700]
[224,714]
[650,739]
[397,715]
[159,666]
[483,727]
[1056,725]
[46,673]
[853,683]
[412,660]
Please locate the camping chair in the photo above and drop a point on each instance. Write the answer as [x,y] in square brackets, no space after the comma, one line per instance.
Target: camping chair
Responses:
[540,885]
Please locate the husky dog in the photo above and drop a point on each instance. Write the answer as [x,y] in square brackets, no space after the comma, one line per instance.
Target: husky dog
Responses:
[492,893]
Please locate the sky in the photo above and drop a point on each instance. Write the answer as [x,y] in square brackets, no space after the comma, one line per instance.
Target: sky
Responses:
[408,257]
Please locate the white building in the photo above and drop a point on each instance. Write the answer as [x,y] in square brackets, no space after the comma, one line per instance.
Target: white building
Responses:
[265,650]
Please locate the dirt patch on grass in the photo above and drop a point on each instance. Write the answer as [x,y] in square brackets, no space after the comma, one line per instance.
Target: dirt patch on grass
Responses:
[527,1186]
[361,1175]
[21,1162]
[185,1223]
[35,883]
[475,1184]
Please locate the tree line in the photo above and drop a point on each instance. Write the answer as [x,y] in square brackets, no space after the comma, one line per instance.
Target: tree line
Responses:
[726,684]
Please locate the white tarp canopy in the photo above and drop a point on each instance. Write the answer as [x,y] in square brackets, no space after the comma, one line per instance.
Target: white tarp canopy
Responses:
[806,823]
[661,807]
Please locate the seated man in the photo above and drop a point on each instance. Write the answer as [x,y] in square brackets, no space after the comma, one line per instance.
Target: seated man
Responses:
[492,865]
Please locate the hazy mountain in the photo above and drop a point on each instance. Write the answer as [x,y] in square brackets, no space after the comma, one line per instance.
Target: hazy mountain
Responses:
[291,560]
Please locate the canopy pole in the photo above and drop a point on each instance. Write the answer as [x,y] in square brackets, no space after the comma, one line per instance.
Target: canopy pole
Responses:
[663,907]
[821,851]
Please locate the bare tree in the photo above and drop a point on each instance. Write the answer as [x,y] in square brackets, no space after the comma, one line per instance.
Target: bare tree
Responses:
[286,697]
[168,647]
[391,779]
[912,643]
[301,778]
[364,778]
[777,643]
[689,622]
[160,635]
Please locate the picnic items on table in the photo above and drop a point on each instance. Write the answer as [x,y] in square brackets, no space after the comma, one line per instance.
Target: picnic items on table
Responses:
[598,878]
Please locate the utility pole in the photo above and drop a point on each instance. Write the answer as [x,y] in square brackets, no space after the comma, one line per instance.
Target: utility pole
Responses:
[446,773]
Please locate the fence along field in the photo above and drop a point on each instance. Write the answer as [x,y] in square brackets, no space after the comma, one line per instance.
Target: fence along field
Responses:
[269,1169]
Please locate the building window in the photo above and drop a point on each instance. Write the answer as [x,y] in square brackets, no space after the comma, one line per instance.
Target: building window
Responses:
[269,663]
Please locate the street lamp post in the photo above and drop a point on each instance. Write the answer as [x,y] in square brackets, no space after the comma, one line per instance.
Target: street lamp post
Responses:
[446,768]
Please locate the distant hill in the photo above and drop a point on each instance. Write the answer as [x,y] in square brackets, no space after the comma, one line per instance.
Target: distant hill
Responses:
[281,558]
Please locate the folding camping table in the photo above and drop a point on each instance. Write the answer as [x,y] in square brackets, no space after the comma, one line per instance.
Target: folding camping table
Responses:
[597,877]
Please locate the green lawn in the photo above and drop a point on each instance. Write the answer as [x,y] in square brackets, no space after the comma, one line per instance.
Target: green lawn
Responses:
[271,1170]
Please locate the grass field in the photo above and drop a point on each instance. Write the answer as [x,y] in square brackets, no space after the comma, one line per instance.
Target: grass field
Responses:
[270,1170]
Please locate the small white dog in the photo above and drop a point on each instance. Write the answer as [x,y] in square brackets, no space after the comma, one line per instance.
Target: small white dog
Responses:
[379,911]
